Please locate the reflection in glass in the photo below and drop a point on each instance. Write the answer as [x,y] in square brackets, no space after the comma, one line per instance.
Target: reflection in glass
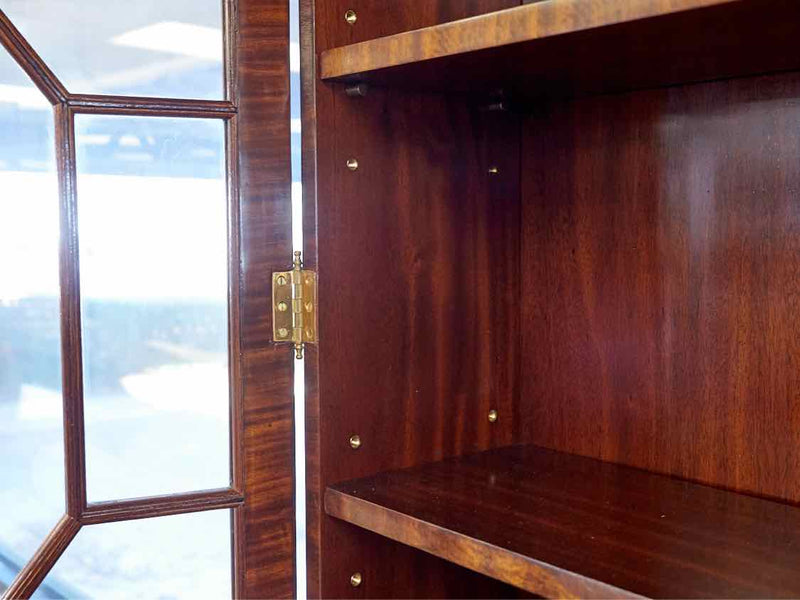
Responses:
[153,257]
[182,556]
[144,48]
[31,442]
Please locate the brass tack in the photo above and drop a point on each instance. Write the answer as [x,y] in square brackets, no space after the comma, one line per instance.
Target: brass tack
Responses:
[352,164]
[350,17]
[356,579]
[355,442]
[492,416]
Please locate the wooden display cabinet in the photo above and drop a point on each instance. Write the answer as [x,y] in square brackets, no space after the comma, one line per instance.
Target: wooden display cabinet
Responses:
[558,249]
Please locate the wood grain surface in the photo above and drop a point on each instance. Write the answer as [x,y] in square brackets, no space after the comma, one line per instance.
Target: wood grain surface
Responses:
[661,281]
[417,255]
[563,48]
[565,526]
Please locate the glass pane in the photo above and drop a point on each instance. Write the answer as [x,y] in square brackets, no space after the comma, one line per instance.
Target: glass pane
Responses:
[182,556]
[31,442]
[160,48]
[153,257]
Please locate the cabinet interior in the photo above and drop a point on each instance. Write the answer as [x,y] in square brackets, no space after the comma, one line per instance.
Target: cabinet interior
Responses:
[611,263]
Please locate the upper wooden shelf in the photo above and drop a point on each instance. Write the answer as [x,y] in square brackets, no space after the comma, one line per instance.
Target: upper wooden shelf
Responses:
[564,526]
[569,47]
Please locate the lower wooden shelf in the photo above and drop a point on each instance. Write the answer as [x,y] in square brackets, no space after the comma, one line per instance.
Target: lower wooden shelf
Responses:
[561,525]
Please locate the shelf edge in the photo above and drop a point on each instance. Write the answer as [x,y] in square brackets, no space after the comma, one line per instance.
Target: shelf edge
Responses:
[525,23]
[499,563]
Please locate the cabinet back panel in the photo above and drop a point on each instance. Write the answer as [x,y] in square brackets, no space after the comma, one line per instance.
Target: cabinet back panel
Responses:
[661,281]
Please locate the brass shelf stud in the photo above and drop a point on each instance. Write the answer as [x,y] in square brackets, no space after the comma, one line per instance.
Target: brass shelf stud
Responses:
[355,442]
[352,164]
[492,416]
[356,579]
[351,17]
[493,170]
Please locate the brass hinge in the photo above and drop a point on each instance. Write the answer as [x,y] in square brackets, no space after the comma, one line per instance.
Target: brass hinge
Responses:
[294,306]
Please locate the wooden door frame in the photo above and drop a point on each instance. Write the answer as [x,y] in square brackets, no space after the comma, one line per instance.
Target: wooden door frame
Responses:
[257,125]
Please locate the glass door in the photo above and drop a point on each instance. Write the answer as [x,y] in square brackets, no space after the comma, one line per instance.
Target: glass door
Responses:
[144,203]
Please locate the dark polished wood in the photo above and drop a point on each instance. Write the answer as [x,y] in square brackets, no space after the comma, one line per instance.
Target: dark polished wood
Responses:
[70,302]
[417,254]
[173,504]
[566,526]
[576,47]
[378,18]
[264,526]
[660,319]
[154,107]
[34,572]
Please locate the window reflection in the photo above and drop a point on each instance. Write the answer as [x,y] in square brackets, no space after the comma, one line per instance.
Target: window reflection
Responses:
[152,215]
[31,445]
[182,556]
[145,48]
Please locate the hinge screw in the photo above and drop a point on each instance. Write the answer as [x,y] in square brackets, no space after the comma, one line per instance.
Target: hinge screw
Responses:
[281,280]
[283,332]
[351,17]
[355,442]
[356,579]
[492,416]
[309,306]
[352,164]
[283,307]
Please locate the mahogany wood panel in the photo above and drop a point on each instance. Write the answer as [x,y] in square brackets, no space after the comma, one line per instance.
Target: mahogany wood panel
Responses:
[566,526]
[418,278]
[661,281]
[573,47]
[265,524]
[173,504]
[378,18]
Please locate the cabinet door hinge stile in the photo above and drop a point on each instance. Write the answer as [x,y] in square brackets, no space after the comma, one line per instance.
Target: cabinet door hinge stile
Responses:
[294,306]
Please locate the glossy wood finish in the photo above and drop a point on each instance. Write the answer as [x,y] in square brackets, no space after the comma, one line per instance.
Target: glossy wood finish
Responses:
[572,47]
[566,526]
[660,324]
[416,339]
[174,504]
[265,524]
[378,18]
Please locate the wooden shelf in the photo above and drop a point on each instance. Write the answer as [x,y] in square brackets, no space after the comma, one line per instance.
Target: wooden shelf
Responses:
[561,525]
[570,47]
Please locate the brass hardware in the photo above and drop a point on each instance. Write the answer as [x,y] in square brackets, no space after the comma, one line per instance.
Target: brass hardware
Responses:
[352,164]
[351,17]
[358,90]
[296,289]
[355,442]
[493,170]
[356,579]
[497,106]
[492,416]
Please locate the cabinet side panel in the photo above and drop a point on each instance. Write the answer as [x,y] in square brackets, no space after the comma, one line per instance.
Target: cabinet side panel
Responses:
[661,281]
[378,18]
[418,255]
